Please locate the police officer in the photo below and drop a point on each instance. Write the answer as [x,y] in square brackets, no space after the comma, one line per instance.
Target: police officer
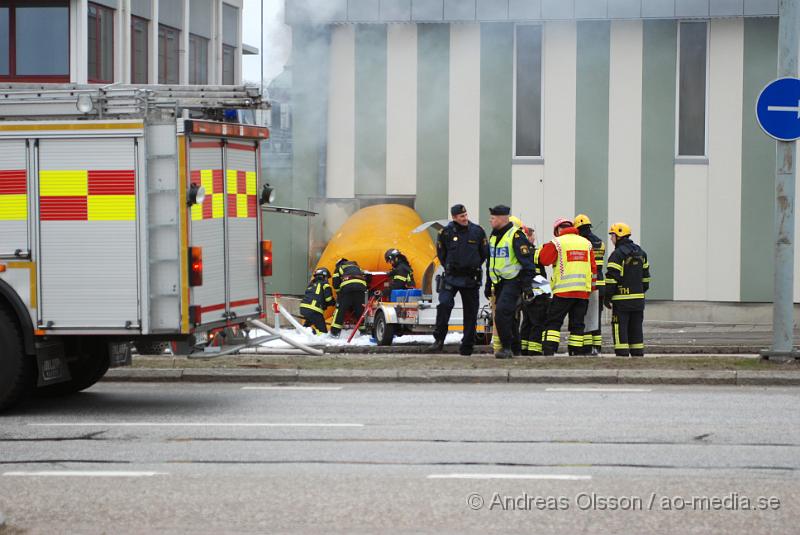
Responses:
[627,280]
[401,275]
[593,341]
[573,264]
[510,268]
[350,284]
[462,249]
[318,298]
[534,303]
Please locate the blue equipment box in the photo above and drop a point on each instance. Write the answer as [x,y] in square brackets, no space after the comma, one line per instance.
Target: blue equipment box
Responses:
[406,296]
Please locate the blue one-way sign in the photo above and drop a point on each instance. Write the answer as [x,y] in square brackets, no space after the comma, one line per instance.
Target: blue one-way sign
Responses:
[778,109]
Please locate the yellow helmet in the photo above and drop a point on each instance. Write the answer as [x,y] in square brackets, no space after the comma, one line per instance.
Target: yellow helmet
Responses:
[581,220]
[517,221]
[620,229]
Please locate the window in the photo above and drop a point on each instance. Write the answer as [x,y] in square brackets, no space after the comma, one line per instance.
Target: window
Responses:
[101,44]
[528,92]
[692,60]
[4,44]
[168,42]
[198,59]
[34,40]
[139,50]
[228,65]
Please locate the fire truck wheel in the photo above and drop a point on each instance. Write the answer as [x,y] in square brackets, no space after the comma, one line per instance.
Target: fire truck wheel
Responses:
[17,370]
[383,331]
[151,348]
[91,365]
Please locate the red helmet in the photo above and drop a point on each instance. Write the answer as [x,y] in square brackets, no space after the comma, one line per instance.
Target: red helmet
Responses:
[559,223]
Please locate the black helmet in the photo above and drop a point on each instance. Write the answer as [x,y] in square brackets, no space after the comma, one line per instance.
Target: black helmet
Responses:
[341,261]
[391,255]
[322,273]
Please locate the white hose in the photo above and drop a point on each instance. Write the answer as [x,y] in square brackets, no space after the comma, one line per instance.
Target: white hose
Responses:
[294,343]
[294,322]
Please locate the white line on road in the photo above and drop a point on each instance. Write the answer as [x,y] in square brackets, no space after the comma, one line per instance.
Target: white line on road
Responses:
[189,424]
[291,388]
[578,389]
[560,477]
[76,473]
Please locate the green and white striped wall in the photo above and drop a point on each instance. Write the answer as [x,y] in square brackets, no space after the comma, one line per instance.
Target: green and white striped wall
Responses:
[426,110]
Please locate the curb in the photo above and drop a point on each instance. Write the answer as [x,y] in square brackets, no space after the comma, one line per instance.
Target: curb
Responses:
[484,376]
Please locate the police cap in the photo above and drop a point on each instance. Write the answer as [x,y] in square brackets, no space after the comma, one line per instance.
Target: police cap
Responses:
[458,209]
[500,209]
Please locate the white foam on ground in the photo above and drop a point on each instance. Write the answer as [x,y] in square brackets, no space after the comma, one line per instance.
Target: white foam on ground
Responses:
[325,340]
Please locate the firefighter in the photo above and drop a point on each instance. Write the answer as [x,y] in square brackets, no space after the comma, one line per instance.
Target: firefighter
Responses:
[573,264]
[318,298]
[401,276]
[462,249]
[593,341]
[350,284]
[627,280]
[535,303]
[511,270]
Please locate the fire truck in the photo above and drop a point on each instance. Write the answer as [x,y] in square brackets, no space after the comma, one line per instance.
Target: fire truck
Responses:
[128,216]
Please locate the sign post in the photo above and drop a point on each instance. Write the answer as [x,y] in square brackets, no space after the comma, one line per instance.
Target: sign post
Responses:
[778,111]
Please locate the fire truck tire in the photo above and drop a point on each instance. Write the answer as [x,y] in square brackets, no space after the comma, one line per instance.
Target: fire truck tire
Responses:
[86,371]
[151,348]
[383,331]
[17,370]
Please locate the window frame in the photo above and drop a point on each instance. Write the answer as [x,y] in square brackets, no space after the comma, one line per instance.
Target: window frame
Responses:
[194,38]
[94,79]
[681,158]
[233,55]
[515,158]
[135,19]
[12,75]
[166,55]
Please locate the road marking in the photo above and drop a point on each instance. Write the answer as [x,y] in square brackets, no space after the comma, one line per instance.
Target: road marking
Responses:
[578,389]
[78,473]
[189,424]
[560,477]
[292,388]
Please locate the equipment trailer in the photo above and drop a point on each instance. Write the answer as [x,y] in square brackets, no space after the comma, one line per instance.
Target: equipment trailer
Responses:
[127,215]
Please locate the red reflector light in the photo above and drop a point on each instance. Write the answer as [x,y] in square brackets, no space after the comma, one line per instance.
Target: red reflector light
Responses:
[195,315]
[266,258]
[195,266]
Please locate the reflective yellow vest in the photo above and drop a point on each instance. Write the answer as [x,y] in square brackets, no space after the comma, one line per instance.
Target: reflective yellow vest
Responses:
[503,263]
[573,269]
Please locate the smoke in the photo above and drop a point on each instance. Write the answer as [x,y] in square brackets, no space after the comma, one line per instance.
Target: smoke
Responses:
[277,45]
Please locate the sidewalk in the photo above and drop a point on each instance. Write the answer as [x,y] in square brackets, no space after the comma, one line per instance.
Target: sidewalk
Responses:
[409,368]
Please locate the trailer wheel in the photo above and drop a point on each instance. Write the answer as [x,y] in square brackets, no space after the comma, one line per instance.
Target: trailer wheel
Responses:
[383,331]
[92,364]
[17,369]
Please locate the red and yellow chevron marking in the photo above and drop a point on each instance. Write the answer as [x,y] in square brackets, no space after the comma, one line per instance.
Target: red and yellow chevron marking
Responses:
[13,195]
[212,207]
[87,195]
[242,201]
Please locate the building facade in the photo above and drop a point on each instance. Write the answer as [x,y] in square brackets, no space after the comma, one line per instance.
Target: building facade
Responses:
[122,41]
[634,110]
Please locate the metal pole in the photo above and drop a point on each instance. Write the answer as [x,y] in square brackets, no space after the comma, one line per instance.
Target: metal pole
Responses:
[783,302]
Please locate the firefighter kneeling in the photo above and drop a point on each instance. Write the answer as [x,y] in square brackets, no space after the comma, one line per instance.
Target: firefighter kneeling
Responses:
[401,275]
[318,298]
[350,284]
[627,280]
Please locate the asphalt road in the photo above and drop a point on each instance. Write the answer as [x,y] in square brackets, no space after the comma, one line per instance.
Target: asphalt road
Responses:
[214,458]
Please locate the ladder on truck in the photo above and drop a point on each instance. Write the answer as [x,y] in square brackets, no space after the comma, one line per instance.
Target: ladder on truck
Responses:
[43,101]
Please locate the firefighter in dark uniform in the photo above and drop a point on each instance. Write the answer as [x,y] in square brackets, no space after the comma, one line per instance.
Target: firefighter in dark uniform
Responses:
[318,298]
[511,270]
[350,284]
[593,341]
[534,303]
[627,280]
[462,249]
[401,276]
